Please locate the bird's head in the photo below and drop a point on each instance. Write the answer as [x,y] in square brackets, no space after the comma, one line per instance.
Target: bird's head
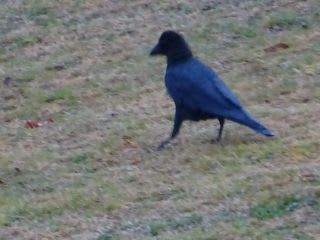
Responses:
[172,45]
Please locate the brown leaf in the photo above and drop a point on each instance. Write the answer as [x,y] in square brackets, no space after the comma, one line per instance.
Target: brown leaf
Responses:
[307,177]
[276,47]
[36,124]
[50,120]
[9,97]
[5,119]
[128,142]
[135,161]
[27,146]
[31,124]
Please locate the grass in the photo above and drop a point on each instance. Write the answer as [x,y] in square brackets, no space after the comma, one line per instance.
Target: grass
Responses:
[241,30]
[276,207]
[156,227]
[27,76]
[23,41]
[61,94]
[41,14]
[286,19]
[94,173]
[105,236]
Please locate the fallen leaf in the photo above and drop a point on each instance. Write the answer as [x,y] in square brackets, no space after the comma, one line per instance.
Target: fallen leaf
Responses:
[128,142]
[7,120]
[307,177]
[27,146]
[31,124]
[135,161]
[36,124]
[9,97]
[276,47]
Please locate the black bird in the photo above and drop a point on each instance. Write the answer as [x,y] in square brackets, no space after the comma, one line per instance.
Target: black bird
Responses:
[197,91]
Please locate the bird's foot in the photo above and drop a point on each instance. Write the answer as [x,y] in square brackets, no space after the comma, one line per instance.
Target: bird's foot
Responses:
[163,144]
[215,140]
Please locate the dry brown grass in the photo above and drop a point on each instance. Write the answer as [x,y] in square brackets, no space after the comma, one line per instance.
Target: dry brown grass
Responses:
[94,173]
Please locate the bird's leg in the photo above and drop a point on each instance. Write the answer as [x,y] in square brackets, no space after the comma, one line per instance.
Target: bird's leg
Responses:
[176,127]
[221,121]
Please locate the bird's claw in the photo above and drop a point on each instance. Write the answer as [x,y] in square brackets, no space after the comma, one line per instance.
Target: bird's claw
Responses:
[160,147]
[215,140]
[163,144]
[212,141]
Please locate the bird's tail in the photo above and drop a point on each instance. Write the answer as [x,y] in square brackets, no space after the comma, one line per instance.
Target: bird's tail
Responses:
[244,118]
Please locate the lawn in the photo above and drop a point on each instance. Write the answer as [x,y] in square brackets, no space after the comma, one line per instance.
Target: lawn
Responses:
[93,172]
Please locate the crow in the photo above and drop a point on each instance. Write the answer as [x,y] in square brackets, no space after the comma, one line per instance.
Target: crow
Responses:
[197,91]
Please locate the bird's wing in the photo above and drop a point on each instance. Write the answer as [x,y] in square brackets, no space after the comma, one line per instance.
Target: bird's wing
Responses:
[196,86]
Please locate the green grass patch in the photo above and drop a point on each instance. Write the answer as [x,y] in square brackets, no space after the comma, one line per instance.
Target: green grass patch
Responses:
[193,219]
[81,158]
[27,76]
[196,234]
[279,206]
[236,156]
[284,85]
[287,86]
[240,30]
[2,50]
[19,208]
[37,99]
[105,236]
[44,206]
[64,93]
[302,149]
[9,207]
[41,13]
[205,163]
[27,40]
[37,8]
[157,226]
[286,19]
[280,233]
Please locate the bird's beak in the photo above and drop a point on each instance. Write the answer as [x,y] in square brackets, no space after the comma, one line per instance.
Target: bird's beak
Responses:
[156,50]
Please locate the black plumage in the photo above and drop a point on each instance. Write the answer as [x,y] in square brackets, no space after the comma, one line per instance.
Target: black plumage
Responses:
[197,91]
